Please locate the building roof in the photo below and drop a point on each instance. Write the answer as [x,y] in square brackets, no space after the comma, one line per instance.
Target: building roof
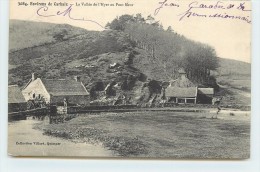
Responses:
[15,95]
[58,87]
[206,90]
[181,92]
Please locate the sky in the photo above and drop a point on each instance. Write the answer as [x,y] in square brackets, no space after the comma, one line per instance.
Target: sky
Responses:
[231,38]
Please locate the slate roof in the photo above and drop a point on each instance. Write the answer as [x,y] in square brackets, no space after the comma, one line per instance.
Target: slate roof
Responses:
[181,92]
[15,95]
[59,87]
[206,90]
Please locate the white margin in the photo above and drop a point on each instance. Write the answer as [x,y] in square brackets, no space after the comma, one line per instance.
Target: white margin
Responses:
[9,164]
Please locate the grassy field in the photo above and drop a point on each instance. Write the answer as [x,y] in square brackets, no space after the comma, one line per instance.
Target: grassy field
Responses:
[161,134]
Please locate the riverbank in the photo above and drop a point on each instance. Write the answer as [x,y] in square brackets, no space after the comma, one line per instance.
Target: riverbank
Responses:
[155,134]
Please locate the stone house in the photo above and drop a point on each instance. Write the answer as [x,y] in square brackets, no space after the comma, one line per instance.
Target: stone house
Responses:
[55,91]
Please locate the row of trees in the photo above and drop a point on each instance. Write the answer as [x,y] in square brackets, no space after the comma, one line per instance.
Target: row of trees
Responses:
[169,49]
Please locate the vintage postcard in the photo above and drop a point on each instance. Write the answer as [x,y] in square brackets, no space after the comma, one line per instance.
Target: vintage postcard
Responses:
[161,79]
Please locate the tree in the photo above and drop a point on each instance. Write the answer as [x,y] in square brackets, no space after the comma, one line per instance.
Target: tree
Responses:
[139,19]
[169,29]
[168,50]
[119,24]
[115,25]
[150,19]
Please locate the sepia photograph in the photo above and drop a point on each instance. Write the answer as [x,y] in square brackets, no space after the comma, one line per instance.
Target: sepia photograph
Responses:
[165,79]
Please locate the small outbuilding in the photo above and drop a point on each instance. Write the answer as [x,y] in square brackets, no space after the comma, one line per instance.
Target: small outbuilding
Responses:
[205,95]
[16,100]
[185,95]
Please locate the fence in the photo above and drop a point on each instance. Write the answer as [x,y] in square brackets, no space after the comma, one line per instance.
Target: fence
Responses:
[79,109]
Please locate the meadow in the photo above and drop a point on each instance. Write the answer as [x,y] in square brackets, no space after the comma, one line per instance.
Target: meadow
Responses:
[157,134]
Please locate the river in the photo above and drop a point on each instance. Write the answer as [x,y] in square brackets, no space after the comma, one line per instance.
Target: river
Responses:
[23,140]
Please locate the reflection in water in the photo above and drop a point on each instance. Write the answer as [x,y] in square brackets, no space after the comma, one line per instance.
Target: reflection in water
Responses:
[26,141]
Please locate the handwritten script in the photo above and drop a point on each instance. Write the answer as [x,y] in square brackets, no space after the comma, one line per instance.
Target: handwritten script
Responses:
[43,11]
[214,9]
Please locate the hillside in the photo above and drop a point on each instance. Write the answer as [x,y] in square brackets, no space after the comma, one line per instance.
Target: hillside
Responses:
[234,79]
[43,57]
[233,67]
[233,73]
[31,34]
[102,59]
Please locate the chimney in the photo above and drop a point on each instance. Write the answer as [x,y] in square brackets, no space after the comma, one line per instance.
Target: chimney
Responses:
[33,76]
[77,78]
[182,73]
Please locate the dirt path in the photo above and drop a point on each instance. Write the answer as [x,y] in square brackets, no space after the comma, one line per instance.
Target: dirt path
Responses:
[26,141]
